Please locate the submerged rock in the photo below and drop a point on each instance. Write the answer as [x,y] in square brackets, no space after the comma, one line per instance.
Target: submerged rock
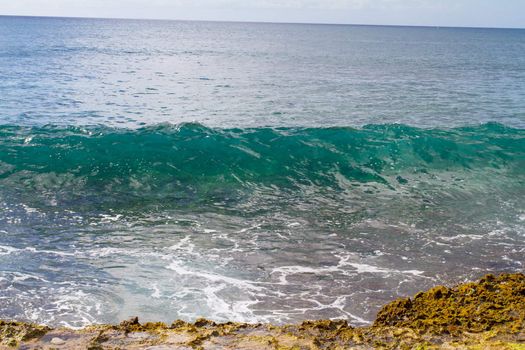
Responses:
[57,341]
[488,314]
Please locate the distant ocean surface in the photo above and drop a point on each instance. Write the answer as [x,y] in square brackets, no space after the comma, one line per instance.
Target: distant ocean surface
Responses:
[252,172]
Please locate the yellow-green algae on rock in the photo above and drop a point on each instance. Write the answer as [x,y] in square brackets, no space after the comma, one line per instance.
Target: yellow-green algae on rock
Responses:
[490,304]
[488,314]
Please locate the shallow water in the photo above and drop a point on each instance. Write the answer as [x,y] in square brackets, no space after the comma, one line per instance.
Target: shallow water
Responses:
[291,195]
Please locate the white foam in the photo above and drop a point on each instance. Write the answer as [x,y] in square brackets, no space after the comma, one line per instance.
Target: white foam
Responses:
[182,270]
[52,252]
[156,291]
[29,210]
[462,236]
[107,218]
[183,244]
[6,250]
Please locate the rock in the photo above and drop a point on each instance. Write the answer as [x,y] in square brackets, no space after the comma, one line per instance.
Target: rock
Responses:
[488,314]
[492,303]
[57,341]
[130,322]
[140,335]
[202,322]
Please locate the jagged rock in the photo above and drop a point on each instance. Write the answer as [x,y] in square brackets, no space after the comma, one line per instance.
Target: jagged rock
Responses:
[488,314]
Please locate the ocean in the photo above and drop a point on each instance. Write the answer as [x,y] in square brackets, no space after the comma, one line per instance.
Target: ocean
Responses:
[253,172]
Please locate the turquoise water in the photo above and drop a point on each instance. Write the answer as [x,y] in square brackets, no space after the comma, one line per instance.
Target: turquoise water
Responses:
[175,167]
[252,172]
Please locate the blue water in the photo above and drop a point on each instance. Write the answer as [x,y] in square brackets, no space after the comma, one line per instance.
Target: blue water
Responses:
[252,172]
[125,73]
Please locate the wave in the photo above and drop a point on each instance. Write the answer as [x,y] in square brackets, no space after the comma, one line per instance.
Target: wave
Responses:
[189,163]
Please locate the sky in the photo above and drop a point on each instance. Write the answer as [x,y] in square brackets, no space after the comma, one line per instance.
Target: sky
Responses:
[464,13]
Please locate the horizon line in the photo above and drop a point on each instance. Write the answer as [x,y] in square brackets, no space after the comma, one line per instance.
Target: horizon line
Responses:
[260,22]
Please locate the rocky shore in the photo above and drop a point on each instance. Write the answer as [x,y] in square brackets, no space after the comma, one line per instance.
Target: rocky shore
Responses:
[487,314]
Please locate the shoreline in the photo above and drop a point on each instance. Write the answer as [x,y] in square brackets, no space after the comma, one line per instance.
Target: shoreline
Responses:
[487,314]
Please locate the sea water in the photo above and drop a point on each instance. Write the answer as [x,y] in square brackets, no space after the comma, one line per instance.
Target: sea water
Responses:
[252,172]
